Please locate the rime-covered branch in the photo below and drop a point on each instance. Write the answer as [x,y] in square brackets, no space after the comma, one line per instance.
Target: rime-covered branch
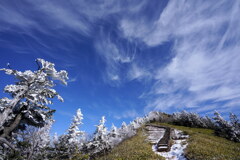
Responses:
[30,96]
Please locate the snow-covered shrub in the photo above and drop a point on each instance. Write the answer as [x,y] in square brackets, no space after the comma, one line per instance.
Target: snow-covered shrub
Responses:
[188,119]
[127,131]
[181,118]
[153,116]
[123,131]
[135,124]
[165,118]
[114,136]
[229,130]
[141,121]
[196,120]
[104,141]
[30,96]
[235,122]
[131,130]
[208,122]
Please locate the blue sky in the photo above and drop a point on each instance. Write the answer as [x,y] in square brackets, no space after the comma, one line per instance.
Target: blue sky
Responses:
[126,58]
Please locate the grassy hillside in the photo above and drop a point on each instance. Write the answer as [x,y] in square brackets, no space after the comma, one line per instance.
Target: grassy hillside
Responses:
[203,145]
[135,148]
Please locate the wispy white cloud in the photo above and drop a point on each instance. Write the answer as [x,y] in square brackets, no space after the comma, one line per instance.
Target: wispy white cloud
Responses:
[114,55]
[48,16]
[206,47]
[62,16]
[205,36]
[127,114]
[177,19]
[137,72]
[71,20]
[114,77]
[13,17]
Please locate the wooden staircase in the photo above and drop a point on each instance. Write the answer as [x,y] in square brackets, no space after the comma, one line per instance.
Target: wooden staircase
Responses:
[161,136]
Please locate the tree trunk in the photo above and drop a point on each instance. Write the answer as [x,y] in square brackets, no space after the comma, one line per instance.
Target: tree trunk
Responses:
[9,109]
[7,130]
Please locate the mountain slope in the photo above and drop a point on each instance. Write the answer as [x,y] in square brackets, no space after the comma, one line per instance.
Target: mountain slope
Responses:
[202,145]
[134,148]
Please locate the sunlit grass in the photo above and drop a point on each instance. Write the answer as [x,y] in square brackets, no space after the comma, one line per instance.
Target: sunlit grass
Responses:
[204,145]
[135,148]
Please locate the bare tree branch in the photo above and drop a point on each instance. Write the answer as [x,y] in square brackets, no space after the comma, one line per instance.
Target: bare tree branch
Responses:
[4,141]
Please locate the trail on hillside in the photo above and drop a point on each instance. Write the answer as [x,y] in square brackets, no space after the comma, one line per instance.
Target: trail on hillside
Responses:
[170,144]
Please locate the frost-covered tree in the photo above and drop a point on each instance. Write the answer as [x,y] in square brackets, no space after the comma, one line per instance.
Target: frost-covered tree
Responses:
[101,130]
[229,130]
[126,131]
[100,142]
[135,124]
[140,121]
[123,130]
[32,142]
[114,136]
[42,137]
[181,118]
[30,96]
[131,130]
[153,116]
[196,120]
[69,144]
[113,131]
[74,135]
[189,119]
[222,125]
[55,139]
[235,123]
[208,122]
